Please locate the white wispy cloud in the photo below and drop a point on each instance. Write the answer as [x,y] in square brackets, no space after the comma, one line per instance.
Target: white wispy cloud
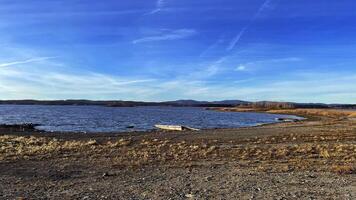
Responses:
[207,71]
[275,60]
[49,78]
[32,60]
[315,87]
[250,65]
[241,68]
[41,83]
[238,37]
[288,59]
[44,84]
[168,35]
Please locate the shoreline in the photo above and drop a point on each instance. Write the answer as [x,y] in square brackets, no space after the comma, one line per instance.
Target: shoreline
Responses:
[17,130]
[30,128]
[264,162]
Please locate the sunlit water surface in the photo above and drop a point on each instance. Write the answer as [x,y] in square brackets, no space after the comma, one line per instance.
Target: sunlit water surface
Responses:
[108,119]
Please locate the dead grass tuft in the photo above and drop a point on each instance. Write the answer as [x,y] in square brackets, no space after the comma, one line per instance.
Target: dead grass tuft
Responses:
[120,143]
[352,115]
[343,169]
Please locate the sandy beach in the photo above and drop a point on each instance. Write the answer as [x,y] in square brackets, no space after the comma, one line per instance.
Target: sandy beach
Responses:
[311,159]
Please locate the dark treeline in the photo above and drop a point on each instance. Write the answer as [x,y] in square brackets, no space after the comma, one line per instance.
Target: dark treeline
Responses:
[81,103]
[179,103]
[183,103]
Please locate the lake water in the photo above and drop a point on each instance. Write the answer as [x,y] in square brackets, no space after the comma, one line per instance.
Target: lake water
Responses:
[108,119]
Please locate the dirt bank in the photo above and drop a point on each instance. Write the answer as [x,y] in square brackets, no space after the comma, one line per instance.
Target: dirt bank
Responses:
[314,159]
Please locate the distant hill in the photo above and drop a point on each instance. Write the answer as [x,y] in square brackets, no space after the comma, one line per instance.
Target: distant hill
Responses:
[228,103]
[186,102]
[76,102]
[182,103]
[119,103]
[231,102]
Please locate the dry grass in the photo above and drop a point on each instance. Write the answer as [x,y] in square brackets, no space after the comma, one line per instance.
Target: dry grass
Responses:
[344,169]
[332,113]
[18,147]
[272,148]
[272,157]
[352,115]
[237,109]
[323,149]
[22,147]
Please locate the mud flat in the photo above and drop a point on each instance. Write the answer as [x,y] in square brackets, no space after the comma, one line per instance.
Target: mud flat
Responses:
[311,159]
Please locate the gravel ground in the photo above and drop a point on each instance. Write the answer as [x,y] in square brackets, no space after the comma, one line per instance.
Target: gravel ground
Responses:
[303,160]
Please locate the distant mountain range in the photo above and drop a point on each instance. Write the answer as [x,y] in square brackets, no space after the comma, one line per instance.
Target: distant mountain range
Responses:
[213,103]
[182,103]
[119,103]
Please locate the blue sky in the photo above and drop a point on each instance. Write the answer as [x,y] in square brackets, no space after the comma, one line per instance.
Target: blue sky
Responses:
[155,50]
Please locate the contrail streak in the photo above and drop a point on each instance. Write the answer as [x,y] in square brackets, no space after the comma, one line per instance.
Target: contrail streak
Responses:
[159,6]
[25,61]
[234,42]
[238,37]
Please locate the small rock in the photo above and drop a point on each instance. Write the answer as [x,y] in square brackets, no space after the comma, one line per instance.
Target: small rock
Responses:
[208,178]
[189,196]
[312,176]
[106,174]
